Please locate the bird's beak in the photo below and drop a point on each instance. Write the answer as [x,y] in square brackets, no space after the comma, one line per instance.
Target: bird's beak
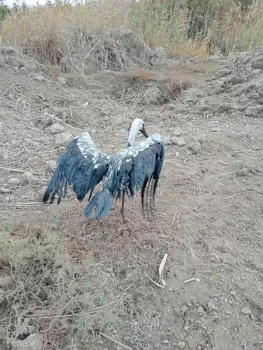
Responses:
[143,131]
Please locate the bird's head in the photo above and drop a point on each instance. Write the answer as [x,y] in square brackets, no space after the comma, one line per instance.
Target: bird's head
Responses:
[137,125]
[141,127]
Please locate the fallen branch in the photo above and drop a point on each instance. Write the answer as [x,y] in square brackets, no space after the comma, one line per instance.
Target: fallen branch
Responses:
[115,341]
[17,170]
[192,280]
[161,283]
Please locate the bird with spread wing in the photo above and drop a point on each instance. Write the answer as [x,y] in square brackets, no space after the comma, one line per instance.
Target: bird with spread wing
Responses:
[83,166]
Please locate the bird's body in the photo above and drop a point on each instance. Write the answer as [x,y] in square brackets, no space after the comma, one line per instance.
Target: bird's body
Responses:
[83,166]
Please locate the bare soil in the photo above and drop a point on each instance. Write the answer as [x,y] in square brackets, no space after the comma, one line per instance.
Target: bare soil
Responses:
[209,217]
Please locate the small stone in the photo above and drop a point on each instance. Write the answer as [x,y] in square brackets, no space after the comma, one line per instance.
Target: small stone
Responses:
[14,181]
[120,231]
[181,345]
[2,61]
[62,81]
[195,147]
[4,190]
[177,132]
[184,309]
[242,172]
[38,78]
[45,119]
[233,293]
[167,140]
[55,128]
[51,166]
[211,306]
[246,311]
[165,341]
[29,178]
[32,342]
[200,310]
[63,138]
[179,141]
[254,112]
[5,282]
[41,193]
[152,96]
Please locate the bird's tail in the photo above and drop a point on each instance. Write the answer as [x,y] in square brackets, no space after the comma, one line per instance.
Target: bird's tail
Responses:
[102,202]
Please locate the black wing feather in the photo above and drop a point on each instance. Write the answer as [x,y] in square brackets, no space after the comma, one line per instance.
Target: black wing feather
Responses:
[78,168]
[130,172]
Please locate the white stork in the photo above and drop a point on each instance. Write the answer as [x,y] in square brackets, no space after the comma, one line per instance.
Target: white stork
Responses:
[83,166]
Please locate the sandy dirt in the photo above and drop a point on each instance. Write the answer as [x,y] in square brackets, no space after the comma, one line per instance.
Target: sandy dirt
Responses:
[209,217]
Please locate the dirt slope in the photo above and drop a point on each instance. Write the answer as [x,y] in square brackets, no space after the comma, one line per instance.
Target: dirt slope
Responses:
[209,209]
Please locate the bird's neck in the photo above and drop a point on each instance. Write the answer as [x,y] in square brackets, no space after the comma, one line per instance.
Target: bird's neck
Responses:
[133,132]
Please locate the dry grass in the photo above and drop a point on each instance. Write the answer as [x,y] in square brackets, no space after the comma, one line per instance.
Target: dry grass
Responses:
[58,278]
[46,32]
[43,286]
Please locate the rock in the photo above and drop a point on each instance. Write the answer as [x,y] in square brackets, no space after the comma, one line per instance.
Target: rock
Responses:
[14,181]
[254,111]
[4,190]
[195,147]
[9,198]
[178,141]
[38,78]
[41,193]
[211,306]
[62,80]
[242,172]
[5,282]
[233,293]
[45,119]
[177,132]
[152,96]
[181,345]
[63,138]
[29,178]
[183,309]
[2,61]
[32,342]
[55,128]
[167,139]
[257,62]
[246,311]
[200,310]
[50,166]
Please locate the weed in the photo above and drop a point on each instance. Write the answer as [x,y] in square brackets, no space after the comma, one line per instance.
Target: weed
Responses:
[42,286]
[52,33]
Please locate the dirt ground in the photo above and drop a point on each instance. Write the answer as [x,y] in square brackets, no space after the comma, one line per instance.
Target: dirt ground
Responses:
[209,217]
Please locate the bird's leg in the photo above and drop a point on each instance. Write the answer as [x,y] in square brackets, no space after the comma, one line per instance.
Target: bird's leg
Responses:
[122,207]
[152,202]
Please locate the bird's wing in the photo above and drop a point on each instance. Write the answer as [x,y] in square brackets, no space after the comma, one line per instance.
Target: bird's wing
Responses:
[133,169]
[81,165]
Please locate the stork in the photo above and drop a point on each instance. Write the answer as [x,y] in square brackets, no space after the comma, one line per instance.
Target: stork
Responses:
[83,165]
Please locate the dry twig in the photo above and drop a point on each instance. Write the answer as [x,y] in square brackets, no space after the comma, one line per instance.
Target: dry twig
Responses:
[115,341]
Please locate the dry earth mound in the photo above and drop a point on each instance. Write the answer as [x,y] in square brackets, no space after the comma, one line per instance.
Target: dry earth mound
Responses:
[237,89]
[87,51]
